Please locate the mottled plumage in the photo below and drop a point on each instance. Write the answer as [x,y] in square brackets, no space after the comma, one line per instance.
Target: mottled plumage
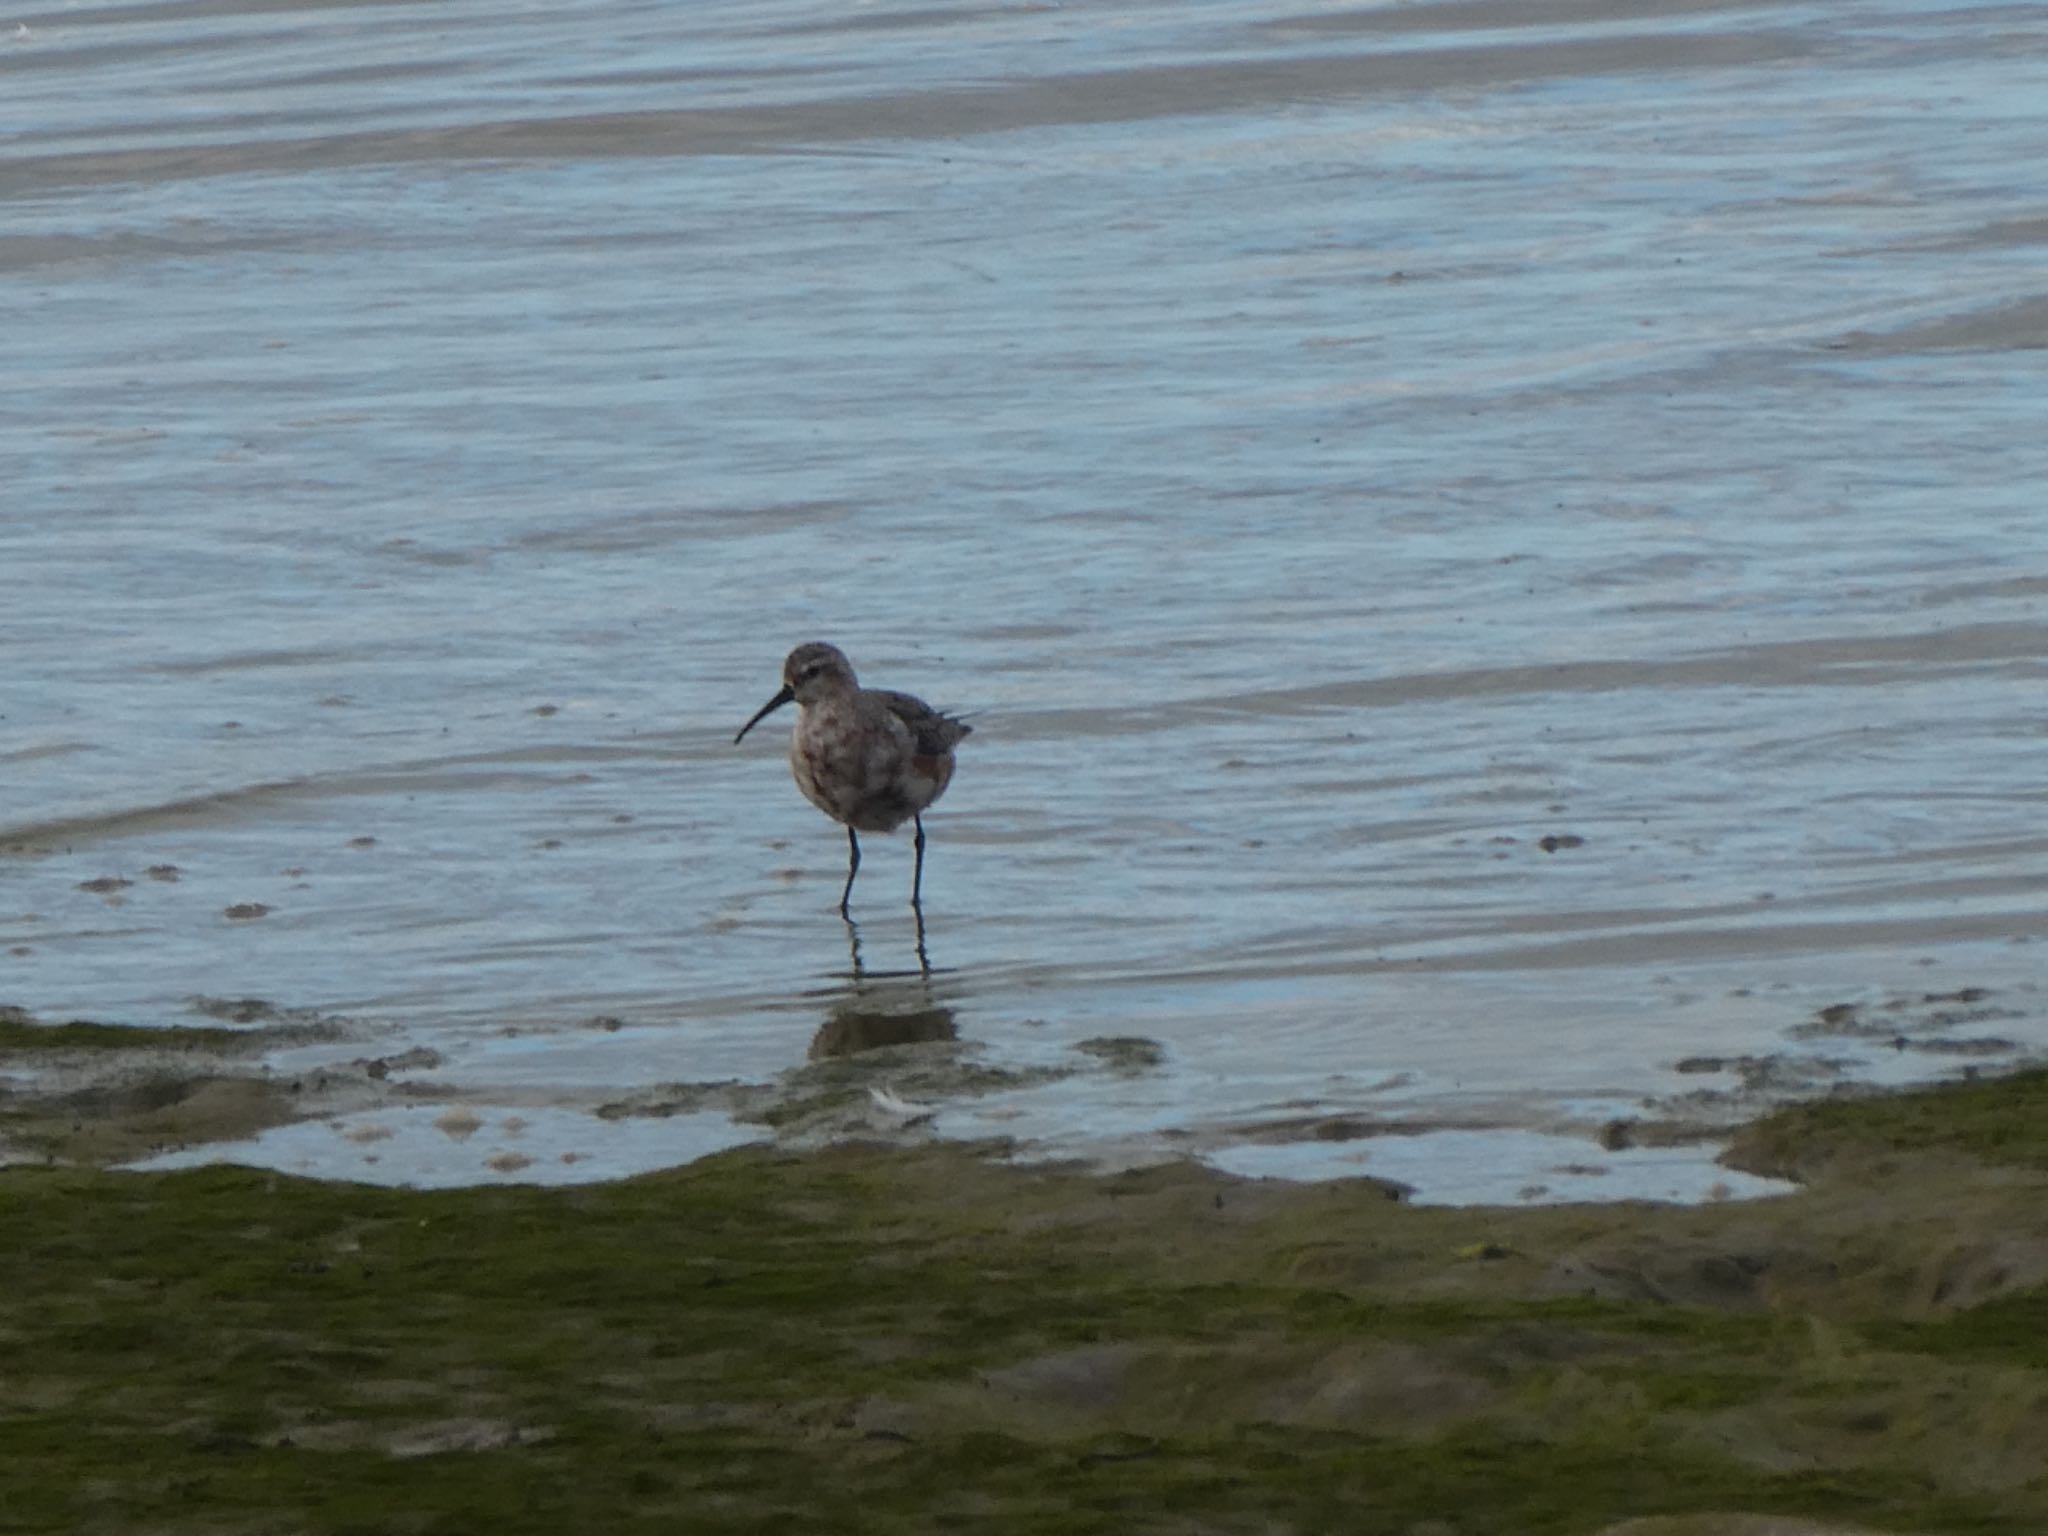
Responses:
[869,758]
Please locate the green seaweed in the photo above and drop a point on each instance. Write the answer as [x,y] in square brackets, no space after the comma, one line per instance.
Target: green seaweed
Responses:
[869,1340]
[2001,1120]
[18,1033]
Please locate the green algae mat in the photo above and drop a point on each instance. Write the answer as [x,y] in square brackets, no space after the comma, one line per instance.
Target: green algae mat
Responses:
[870,1340]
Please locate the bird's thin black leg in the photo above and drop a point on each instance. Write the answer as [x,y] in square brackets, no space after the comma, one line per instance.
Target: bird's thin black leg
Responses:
[852,869]
[924,957]
[917,869]
[860,971]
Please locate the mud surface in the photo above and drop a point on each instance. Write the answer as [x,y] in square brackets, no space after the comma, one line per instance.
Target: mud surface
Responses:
[330,1096]
[871,1339]
[1491,546]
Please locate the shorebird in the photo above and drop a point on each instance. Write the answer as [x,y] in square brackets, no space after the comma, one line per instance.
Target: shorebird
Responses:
[869,758]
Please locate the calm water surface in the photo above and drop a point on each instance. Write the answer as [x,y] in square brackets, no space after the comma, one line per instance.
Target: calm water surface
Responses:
[1330,448]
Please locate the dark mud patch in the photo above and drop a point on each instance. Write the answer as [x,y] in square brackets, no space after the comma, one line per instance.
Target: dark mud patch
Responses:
[143,1114]
[22,1036]
[259,1026]
[1928,1021]
[856,1027]
[84,1092]
[284,1025]
[1837,1050]
[883,1092]
[1131,1054]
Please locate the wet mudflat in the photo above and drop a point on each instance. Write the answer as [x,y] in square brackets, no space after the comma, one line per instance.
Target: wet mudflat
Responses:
[866,1338]
[1492,549]
[328,1095]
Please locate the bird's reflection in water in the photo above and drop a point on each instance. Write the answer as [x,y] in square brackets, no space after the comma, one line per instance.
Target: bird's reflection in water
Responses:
[860,970]
[869,1021]
[884,1008]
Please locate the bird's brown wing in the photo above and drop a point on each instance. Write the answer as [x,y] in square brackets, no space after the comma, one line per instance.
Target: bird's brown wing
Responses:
[931,732]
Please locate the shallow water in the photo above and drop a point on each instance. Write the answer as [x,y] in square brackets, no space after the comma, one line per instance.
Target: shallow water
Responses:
[1330,449]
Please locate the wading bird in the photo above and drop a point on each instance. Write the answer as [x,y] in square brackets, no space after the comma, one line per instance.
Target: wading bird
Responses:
[869,758]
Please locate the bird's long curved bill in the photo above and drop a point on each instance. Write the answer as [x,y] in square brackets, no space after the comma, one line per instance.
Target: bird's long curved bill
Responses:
[766,710]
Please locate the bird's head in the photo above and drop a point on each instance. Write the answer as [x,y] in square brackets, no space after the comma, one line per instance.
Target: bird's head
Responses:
[809,673]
